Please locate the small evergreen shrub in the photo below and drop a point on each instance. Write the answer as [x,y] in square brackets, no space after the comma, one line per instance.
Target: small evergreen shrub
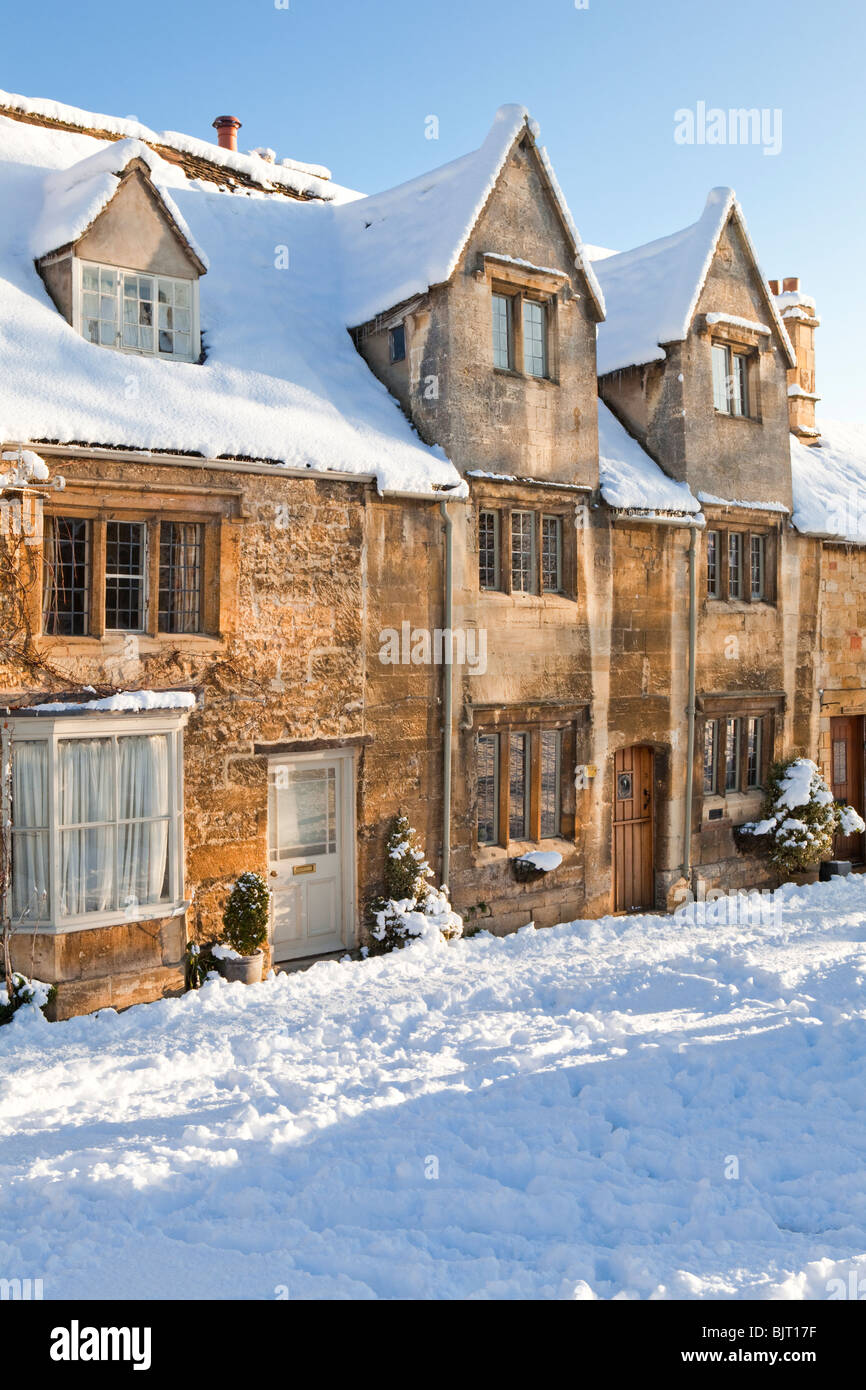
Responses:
[410,909]
[245,920]
[800,817]
[25,991]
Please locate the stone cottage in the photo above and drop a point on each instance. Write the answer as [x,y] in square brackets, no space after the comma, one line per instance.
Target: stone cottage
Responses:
[408,501]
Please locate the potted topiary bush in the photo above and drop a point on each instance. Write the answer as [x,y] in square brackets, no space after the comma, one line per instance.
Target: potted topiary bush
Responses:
[245,930]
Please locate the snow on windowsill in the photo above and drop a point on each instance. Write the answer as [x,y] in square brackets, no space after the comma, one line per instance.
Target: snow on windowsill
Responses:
[734,321]
[125,701]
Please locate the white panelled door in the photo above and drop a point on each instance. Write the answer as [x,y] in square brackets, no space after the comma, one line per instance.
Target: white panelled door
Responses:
[311,854]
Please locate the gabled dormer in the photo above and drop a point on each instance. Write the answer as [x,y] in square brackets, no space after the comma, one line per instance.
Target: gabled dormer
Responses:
[117,256]
[468,294]
[693,357]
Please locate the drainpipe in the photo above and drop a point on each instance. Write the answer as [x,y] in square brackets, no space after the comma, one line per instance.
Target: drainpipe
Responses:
[447,701]
[690,708]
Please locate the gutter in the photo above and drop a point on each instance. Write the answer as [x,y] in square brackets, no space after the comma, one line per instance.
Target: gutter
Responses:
[264,469]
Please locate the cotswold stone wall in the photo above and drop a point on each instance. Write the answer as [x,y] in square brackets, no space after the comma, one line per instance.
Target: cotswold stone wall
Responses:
[840,662]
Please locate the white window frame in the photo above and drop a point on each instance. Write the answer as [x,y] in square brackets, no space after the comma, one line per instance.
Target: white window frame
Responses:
[79,267]
[731,396]
[51,730]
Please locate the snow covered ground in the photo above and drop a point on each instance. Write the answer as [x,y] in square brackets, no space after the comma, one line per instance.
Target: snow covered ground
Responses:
[582,1093]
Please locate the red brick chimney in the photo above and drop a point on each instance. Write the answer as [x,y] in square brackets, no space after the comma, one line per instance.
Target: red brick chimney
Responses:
[799,317]
[227,128]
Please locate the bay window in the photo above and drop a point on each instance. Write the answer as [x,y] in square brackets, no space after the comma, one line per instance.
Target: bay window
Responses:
[97,818]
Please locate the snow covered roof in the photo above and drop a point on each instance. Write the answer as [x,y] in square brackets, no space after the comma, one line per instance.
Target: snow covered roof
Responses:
[652,291]
[285,175]
[630,479]
[408,238]
[282,381]
[75,197]
[829,482]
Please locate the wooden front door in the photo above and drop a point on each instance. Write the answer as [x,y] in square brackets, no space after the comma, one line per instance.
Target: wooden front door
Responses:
[846,771]
[633,868]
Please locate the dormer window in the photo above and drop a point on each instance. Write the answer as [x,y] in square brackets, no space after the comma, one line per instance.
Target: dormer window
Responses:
[152,314]
[730,380]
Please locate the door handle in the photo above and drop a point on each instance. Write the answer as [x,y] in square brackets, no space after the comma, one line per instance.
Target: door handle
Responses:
[273,873]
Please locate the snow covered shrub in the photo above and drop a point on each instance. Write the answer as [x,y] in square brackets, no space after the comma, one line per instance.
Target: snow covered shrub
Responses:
[410,910]
[245,920]
[800,817]
[33,992]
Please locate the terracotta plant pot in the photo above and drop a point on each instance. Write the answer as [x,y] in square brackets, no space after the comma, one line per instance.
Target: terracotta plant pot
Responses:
[245,970]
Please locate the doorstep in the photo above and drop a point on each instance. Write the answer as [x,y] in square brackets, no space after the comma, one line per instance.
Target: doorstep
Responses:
[289,967]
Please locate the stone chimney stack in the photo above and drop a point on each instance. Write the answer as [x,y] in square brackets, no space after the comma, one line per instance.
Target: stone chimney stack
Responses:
[798,315]
[227,128]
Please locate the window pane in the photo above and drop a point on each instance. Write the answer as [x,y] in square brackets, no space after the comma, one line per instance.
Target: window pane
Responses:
[753,752]
[307,812]
[712,564]
[551,554]
[711,737]
[534,338]
[66,576]
[523,552]
[720,378]
[180,566]
[757,567]
[143,858]
[501,331]
[488,550]
[143,776]
[518,800]
[30,876]
[87,871]
[550,761]
[739,384]
[397,343]
[735,567]
[840,761]
[487,790]
[30,873]
[86,771]
[125,551]
[732,755]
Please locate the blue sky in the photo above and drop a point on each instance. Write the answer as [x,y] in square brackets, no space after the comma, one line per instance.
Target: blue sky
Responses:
[350,83]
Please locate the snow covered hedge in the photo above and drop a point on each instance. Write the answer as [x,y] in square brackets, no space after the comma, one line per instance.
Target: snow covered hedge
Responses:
[800,816]
[410,910]
[33,993]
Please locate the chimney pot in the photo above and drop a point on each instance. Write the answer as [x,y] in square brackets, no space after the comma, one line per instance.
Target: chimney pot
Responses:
[791,285]
[227,128]
[774,286]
